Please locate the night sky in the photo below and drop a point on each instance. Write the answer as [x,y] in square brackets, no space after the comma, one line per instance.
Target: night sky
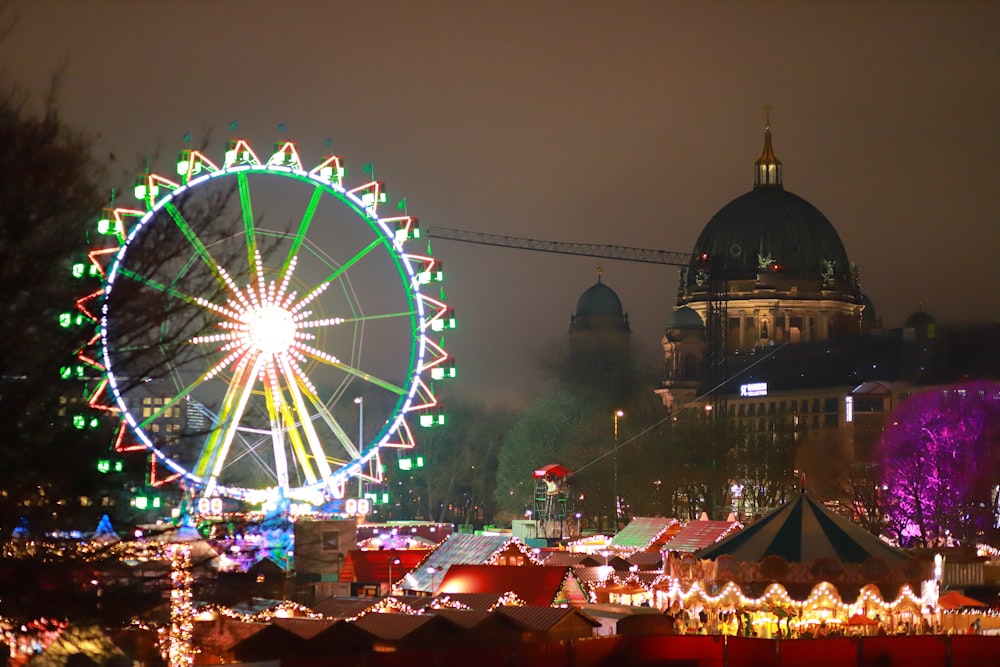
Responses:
[625,123]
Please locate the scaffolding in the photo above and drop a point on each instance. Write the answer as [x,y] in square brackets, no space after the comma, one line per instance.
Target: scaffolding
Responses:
[552,501]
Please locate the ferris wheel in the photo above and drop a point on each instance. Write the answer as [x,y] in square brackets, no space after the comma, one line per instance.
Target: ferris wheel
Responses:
[263,331]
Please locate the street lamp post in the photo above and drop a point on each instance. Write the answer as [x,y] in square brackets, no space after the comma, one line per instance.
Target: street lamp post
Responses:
[614,459]
[433,570]
[391,562]
[712,511]
[361,440]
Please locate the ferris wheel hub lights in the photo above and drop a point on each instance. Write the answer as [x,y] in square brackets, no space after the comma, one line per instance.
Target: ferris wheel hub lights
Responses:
[271,329]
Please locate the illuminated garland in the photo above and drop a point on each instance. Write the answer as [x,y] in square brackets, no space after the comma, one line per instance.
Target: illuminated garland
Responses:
[446,602]
[521,546]
[987,550]
[823,595]
[180,653]
[284,609]
[388,605]
[508,599]
[590,545]
[27,639]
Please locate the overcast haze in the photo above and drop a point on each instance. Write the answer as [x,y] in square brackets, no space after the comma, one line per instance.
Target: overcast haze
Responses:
[625,123]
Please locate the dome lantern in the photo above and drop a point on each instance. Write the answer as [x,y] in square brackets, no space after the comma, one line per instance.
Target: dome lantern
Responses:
[768,172]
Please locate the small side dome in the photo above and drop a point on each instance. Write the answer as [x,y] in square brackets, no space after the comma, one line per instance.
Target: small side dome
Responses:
[919,320]
[685,318]
[599,309]
[920,323]
[868,314]
[599,300]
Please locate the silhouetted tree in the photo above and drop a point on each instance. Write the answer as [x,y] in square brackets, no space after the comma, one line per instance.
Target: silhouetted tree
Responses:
[50,194]
[456,482]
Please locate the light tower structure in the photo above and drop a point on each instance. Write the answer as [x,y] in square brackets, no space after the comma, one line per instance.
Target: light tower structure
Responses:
[552,500]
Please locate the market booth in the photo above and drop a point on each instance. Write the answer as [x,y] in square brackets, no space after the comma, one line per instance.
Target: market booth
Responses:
[802,570]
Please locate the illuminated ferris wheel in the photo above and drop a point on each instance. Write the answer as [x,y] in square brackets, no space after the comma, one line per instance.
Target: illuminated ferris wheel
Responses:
[264,333]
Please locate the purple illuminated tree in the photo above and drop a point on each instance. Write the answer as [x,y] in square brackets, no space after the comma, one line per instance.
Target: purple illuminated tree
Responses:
[940,462]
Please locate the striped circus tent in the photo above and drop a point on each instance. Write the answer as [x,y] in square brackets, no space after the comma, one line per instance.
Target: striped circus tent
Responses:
[803,531]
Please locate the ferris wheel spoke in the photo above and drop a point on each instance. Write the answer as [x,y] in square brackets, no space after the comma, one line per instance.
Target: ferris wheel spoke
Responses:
[246,207]
[192,238]
[217,445]
[158,286]
[324,414]
[283,422]
[367,318]
[318,355]
[311,324]
[161,410]
[298,446]
[305,422]
[350,262]
[273,400]
[248,450]
[304,224]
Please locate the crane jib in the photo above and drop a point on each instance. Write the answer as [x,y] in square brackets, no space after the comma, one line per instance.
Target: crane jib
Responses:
[586,249]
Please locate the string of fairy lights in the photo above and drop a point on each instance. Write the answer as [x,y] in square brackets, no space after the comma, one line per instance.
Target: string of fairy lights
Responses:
[176,639]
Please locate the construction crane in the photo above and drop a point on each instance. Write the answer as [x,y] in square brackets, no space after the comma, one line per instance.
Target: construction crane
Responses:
[586,249]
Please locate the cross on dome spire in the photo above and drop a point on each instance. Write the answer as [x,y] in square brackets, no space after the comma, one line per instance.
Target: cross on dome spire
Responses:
[768,171]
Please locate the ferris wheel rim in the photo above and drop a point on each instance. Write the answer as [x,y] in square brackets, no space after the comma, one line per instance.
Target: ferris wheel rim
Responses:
[393,246]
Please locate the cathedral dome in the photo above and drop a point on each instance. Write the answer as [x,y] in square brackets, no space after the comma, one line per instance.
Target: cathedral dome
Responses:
[868,314]
[920,319]
[599,308]
[599,300]
[770,230]
[685,318]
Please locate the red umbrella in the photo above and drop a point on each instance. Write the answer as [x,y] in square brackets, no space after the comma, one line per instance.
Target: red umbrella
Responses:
[553,469]
[955,600]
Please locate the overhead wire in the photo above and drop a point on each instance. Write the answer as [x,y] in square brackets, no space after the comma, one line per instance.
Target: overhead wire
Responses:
[686,406]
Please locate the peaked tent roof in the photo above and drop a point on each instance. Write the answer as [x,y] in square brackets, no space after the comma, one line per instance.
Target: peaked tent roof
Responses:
[458,549]
[644,532]
[802,531]
[700,534]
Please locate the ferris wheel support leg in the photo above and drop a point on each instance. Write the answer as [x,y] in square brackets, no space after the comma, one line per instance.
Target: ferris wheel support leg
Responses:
[277,434]
[307,427]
